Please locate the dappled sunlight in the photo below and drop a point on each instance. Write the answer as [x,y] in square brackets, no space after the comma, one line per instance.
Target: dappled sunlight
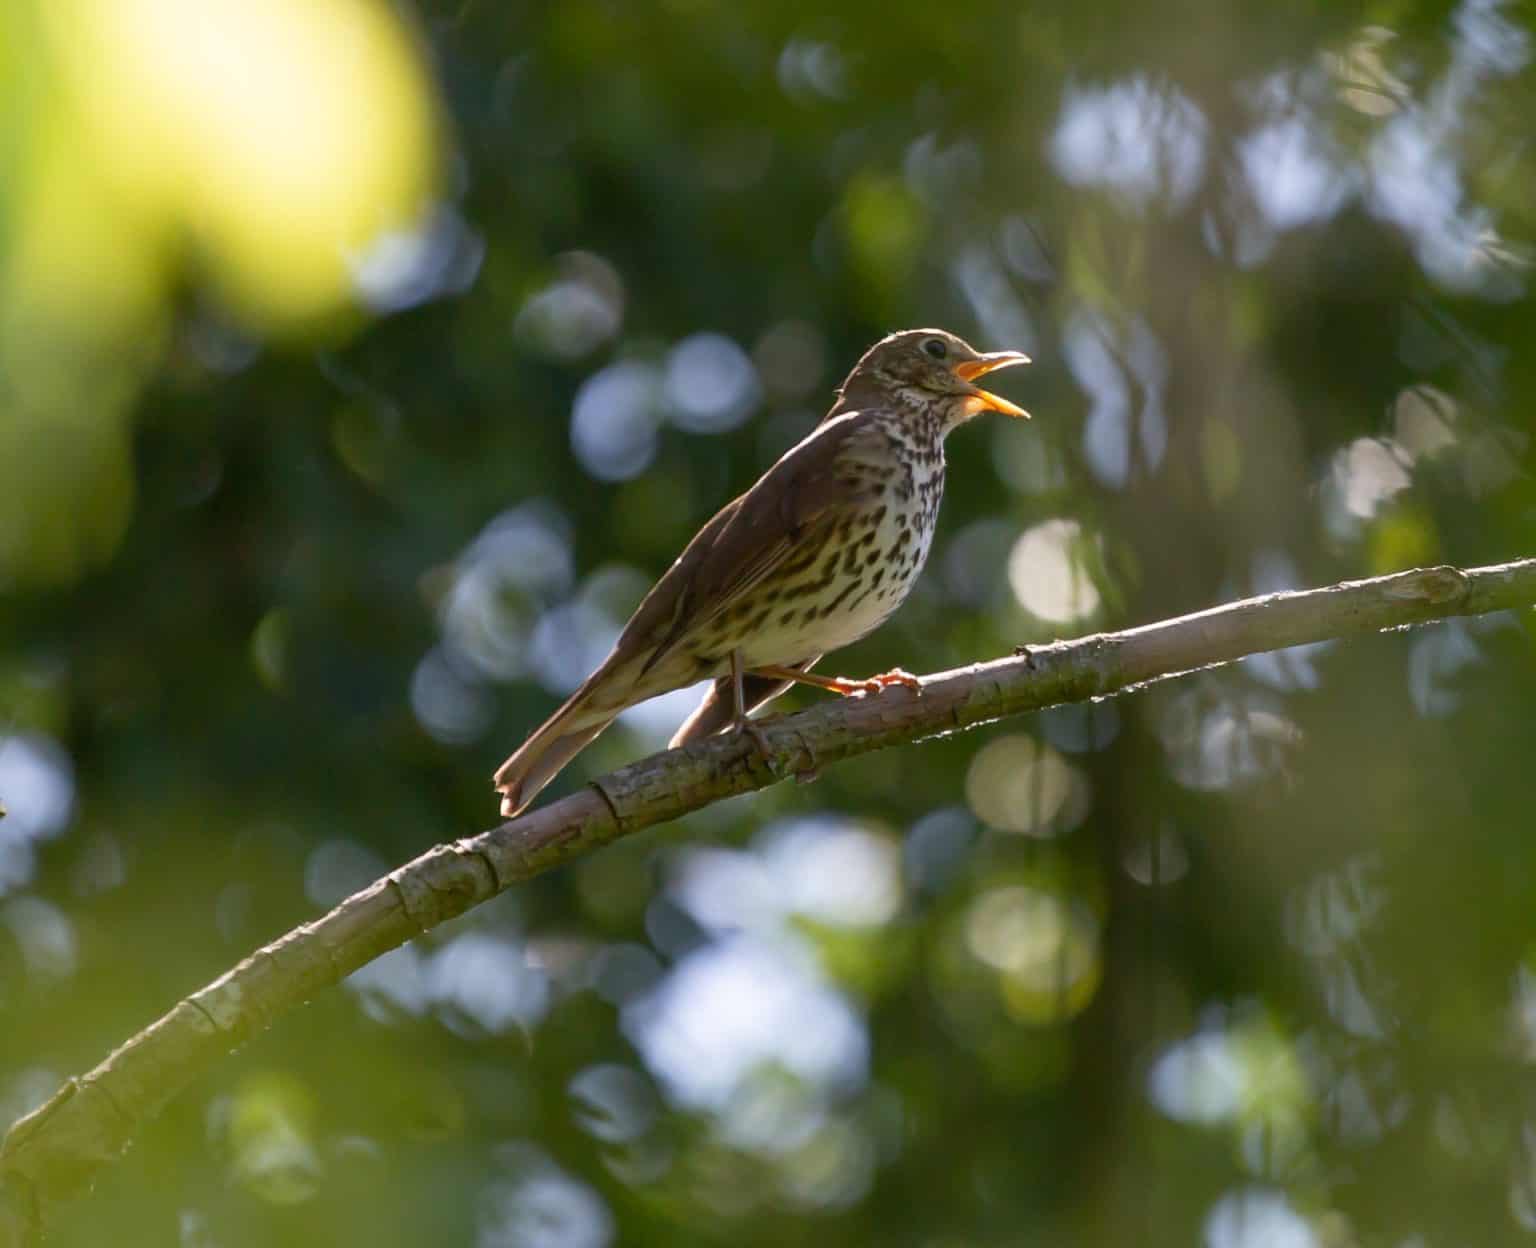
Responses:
[1335,910]
[822,884]
[1365,83]
[616,418]
[1141,140]
[825,869]
[338,868]
[569,641]
[1258,1217]
[45,936]
[266,1124]
[1019,785]
[744,1033]
[519,564]
[1424,421]
[37,785]
[1117,436]
[710,384]
[1045,950]
[1437,658]
[1241,1072]
[1292,179]
[1046,570]
[746,1027]
[1416,179]
[449,701]
[772,1113]
[833,871]
[287,152]
[812,69]
[1367,474]
[1017,955]
[534,1203]
[740,1004]
[727,889]
[393,985]
[1523,1010]
[998,309]
[487,982]
[1157,860]
[286,138]
[428,259]
[1200,1080]
[477,983]
[580,310]
[1225,740]
[832,1170]
[510,607]
[613,1103]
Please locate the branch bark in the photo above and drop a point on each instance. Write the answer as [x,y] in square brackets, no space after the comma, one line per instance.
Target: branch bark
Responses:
[53,1152]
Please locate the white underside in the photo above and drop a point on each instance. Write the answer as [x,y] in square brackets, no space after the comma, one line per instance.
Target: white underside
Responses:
[782,644]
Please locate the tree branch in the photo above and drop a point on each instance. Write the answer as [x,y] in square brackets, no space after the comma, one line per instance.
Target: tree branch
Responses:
[51,1153]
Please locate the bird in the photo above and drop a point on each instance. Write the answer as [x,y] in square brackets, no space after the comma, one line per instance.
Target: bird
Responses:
[814,556]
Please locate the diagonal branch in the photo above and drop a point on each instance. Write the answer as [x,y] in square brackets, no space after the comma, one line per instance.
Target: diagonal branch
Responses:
[53,1152]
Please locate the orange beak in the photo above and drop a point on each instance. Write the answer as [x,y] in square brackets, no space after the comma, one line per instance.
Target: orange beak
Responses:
[983,400]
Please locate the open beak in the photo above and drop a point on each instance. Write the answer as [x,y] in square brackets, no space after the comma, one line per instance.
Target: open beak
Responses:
[983,400]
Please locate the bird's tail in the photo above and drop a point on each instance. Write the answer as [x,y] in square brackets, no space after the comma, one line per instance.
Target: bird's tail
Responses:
[548,749]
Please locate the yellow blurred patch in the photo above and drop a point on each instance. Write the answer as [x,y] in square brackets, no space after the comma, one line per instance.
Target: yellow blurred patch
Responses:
[1401,537]
[884,226]
[285,147]
[282,138]
[272,1148]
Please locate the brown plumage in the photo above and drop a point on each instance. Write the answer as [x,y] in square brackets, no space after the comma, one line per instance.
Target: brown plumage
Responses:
[814,556]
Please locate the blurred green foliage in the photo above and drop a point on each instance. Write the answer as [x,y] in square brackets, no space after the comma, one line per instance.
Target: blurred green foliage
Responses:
[359,371]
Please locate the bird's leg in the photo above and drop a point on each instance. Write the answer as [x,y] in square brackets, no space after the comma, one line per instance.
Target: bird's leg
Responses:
[841,684]
[739,706]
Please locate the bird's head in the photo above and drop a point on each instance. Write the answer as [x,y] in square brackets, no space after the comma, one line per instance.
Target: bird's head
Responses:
[929,369]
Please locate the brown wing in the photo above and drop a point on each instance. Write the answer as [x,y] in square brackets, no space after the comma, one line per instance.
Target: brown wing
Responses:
[747,539]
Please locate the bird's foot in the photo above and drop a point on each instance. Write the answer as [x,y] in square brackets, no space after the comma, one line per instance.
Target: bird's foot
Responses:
[812,770]
[874,684]
[756,735]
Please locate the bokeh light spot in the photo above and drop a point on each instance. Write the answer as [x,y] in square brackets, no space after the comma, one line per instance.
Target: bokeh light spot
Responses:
[1045,569]
[1018,784]
[711,385]
[1044,947]
[615,419]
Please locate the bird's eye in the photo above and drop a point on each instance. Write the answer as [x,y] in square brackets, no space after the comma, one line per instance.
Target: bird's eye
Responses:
[936,347]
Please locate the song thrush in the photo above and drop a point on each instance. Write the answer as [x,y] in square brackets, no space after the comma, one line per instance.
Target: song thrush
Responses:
[814,556]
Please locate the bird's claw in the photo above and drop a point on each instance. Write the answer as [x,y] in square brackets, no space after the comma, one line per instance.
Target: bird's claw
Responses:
[879,681]
[757,736]
[812,770]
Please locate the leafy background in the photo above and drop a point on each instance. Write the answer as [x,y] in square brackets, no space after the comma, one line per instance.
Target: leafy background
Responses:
[361,366]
